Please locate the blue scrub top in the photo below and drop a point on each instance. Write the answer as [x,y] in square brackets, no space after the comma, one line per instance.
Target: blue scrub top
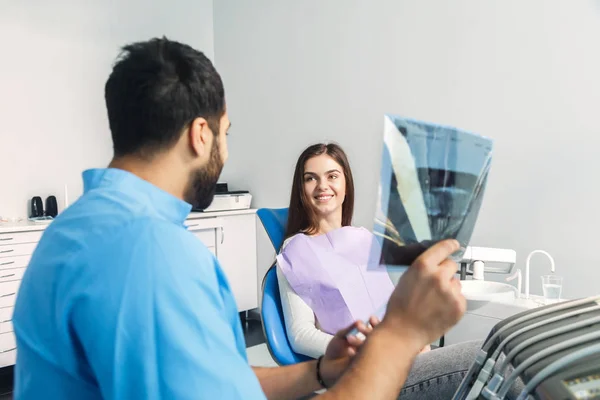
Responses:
[120,301]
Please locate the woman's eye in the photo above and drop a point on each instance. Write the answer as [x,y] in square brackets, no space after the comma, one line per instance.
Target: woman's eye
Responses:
[308,179]
[333,177]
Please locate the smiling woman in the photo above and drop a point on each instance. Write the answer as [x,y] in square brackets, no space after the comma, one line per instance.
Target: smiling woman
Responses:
[323,279]
[322,275]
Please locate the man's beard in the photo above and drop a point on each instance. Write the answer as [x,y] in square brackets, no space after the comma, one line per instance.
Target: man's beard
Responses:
[203,182]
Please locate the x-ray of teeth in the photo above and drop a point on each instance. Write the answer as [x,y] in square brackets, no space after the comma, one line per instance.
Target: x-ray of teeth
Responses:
[432,182]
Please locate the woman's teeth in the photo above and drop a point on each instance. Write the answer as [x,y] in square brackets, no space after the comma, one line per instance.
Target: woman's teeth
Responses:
[325,197]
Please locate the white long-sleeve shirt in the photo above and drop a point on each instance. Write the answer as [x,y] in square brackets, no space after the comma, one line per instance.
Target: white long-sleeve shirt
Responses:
[301,324]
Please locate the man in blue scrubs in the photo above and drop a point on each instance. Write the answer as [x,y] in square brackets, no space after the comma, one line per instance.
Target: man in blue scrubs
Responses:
[120,301]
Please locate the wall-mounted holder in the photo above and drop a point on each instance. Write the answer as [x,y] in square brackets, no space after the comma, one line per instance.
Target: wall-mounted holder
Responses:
[495,261]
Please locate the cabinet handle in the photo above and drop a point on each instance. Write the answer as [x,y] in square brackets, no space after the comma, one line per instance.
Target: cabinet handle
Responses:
[5,239]
[5,321]
[222,234]
[7,350]
[7,251]
[7,263]
[6,276]
[8,294]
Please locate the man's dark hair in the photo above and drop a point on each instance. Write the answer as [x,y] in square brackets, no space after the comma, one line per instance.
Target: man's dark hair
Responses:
[157,88]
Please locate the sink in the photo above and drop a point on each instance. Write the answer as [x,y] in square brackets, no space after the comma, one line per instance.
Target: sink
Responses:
[479,293]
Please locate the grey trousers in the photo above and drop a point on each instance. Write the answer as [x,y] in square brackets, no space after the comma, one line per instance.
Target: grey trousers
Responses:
[438,373]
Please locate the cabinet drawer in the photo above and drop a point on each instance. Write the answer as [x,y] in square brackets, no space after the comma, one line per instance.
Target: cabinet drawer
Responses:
[6,319]
[8,349]
[8,293]
[8,357]
[8,342]
[20,237]
[14,262]
[12,250]
[14,274]
[206,236]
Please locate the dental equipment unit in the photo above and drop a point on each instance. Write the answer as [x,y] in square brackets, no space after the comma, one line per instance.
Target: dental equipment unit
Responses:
[537,347]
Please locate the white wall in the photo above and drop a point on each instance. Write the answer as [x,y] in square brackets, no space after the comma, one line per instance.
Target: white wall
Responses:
[56,57]
[526,73]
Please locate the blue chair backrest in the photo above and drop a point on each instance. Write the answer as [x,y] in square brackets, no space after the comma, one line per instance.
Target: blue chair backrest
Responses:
[274,324]
[275,221]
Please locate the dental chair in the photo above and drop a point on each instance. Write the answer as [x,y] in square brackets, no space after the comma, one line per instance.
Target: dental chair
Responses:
[274,222]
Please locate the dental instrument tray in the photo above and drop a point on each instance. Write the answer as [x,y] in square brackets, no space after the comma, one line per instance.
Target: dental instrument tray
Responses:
[547,353]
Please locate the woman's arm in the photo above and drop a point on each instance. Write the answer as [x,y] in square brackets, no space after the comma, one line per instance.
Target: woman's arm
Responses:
[303,334]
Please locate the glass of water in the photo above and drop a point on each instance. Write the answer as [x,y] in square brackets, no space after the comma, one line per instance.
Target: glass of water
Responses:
[552,287]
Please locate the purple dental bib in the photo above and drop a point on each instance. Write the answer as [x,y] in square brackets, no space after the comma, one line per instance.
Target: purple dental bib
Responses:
[329,272]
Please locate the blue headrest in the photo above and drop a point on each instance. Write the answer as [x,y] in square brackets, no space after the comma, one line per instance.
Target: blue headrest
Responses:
[275,221]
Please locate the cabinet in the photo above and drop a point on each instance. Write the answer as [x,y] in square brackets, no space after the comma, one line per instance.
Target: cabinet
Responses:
[236,251]
[17,244]
[477,324]
[229,235]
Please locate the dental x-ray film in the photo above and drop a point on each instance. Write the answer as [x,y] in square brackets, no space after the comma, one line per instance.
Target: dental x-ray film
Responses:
[431,187]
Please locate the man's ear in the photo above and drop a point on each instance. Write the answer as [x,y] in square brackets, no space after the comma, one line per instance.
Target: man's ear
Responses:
[199,135]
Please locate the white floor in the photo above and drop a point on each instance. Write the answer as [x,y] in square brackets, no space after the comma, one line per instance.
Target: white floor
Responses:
[259,356]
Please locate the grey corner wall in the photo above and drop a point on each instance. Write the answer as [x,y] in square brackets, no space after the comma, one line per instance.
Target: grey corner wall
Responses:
[524,73]
[56,58]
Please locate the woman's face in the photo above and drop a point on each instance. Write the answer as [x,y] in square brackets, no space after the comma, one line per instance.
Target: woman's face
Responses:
[324,185]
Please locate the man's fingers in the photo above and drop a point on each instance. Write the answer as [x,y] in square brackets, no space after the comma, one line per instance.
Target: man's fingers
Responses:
[374,321]
[456,288]
[364,329]
[437,253]
[354,341]
[359,325]
[452,283]
[447,270]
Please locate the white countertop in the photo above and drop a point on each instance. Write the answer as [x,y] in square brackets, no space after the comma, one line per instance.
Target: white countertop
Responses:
[28,226]
[22,226]
[505,308]
[195,215]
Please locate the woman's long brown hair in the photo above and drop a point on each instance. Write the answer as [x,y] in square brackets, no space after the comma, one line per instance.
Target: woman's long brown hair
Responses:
[302,217]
